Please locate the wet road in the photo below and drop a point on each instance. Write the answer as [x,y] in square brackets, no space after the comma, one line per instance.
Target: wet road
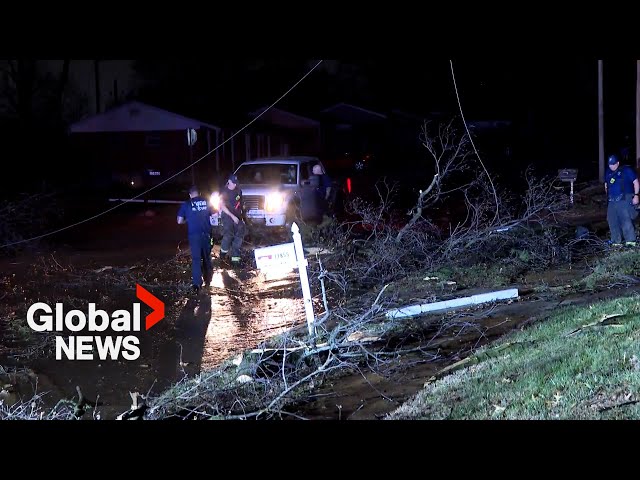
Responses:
[198,333]
[241,310]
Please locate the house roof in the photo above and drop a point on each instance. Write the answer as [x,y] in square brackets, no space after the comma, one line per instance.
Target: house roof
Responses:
[136,116]
[284,118]
[352,113]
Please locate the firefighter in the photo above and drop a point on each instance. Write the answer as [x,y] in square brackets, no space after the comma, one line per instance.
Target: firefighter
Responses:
[233,223]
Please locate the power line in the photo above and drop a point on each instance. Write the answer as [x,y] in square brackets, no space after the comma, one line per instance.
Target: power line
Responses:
[174,175]
[495,194]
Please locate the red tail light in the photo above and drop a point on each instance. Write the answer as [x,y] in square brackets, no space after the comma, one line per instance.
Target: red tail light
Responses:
[348,185]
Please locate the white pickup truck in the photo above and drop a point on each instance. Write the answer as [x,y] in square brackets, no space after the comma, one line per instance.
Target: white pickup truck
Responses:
[276,191]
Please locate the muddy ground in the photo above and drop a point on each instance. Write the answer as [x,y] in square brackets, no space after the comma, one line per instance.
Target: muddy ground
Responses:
[102,262]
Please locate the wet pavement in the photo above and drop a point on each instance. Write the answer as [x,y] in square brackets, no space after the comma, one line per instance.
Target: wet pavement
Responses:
[240,309]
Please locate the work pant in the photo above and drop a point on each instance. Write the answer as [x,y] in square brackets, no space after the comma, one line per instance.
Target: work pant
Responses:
[232,236]
[620,216]
[201,258]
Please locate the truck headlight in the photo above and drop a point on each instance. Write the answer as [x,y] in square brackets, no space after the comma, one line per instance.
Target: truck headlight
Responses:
[215,200]
[274,202]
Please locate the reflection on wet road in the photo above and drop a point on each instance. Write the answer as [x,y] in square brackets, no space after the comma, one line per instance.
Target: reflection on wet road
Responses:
[241,310]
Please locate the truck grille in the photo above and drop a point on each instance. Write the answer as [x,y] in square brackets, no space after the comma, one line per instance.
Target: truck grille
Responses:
[254,202]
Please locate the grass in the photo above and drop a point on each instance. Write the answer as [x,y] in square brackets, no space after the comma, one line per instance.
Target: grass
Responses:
[610,268]
[546,373]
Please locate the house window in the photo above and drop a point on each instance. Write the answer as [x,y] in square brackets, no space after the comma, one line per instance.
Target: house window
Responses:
[152,140]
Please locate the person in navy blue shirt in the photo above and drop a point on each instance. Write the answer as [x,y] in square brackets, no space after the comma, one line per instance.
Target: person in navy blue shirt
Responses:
[622,187]
[197,214]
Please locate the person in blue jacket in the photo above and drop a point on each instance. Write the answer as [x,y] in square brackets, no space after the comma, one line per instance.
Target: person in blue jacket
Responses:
[198,215]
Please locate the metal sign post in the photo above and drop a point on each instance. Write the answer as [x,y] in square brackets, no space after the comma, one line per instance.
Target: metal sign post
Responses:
[568,175]
[304,280]
[287,257]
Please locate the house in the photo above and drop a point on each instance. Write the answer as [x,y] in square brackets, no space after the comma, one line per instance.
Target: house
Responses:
[281,132]
[265,132]
[138,146]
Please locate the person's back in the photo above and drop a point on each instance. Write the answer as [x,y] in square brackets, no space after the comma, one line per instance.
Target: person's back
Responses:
[196,213]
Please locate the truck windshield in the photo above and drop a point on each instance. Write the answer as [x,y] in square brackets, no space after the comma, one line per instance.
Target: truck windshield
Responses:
[273,173]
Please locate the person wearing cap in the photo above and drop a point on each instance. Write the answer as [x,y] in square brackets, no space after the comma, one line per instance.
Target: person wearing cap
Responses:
[232,216]
[622,187]
[323,190]
[198,215]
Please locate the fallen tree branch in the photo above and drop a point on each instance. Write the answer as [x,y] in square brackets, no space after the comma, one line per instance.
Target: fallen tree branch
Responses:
[603,322]
[477,358]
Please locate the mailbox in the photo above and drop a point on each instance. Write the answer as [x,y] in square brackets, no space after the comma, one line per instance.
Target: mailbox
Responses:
[568,174]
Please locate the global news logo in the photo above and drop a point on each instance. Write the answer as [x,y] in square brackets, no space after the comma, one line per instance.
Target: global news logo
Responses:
[81,344]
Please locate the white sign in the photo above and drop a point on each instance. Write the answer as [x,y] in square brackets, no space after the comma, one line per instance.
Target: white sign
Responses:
[276,256]
[290,256]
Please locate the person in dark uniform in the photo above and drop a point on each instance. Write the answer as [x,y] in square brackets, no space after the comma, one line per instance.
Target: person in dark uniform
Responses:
[197,214]
[323,191]
[232,216]
[622,187]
